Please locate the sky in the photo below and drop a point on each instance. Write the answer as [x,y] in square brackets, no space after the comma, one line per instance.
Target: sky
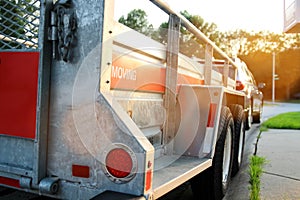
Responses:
[250,15]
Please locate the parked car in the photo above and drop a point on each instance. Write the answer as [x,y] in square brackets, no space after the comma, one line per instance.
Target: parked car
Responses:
[254,102]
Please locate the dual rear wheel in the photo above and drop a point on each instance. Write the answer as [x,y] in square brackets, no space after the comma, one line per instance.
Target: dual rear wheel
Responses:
[213,182]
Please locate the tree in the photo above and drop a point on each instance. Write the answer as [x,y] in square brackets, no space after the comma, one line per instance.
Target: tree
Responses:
[233,43]
[243,42]
[192,46]
[189,44]
[137,20]
[209,29]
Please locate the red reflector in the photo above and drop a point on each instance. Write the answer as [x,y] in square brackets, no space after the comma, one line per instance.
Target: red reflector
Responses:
[239,85]
[10,182]
[119,163]
[212,114]
[148,179]
[81,171]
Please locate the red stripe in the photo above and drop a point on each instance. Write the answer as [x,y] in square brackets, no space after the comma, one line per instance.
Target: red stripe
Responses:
[11,182]
[18,91]
[129,73]
[212,115]
[185,79]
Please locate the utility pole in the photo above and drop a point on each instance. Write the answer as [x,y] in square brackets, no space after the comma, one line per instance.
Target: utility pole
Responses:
[273,77]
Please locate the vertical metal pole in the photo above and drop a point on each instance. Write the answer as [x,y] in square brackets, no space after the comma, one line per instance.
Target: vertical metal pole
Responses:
[273,77]
[171,82]
[226,73]
[41,142]
[208,64]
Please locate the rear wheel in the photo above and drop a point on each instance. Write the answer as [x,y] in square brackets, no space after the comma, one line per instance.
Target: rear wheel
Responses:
[256,118]
[213,183]
[239,136]
[248,118]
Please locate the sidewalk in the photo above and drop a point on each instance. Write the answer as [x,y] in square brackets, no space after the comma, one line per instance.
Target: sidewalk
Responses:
[281,177]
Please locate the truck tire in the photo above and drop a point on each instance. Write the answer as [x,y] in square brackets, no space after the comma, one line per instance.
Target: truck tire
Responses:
[239,136]
[213,183]
[249,119]
[256,118]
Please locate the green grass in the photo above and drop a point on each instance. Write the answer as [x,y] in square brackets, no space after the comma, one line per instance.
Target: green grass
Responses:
[289,120]
[255,171]
[263,128]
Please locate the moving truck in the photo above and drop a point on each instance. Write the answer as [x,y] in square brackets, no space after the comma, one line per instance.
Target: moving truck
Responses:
[90,108]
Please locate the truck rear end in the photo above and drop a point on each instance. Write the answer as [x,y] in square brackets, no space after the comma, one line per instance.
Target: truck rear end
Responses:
[91,108]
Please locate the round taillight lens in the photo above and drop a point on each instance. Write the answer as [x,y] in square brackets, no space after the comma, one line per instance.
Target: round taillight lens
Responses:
[119,163]
[239,85]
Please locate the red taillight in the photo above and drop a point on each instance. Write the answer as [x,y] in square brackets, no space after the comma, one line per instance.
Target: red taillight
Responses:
[239,85]
[119,163]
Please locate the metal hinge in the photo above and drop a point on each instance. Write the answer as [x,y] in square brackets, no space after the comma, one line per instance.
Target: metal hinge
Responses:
[62,30]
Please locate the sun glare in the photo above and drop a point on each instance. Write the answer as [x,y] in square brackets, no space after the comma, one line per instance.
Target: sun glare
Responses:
[254,15]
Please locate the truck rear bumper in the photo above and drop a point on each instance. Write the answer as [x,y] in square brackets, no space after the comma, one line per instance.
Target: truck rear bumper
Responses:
[109,195]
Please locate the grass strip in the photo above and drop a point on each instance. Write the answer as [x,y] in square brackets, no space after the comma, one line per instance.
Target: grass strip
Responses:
[290,120]
[255,171]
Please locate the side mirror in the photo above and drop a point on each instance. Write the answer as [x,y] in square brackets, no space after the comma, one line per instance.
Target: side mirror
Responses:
[261,85]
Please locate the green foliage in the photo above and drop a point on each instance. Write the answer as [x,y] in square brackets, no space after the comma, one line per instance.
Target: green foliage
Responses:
[161,33]
[244,43]
[189,44]
[137,20]
[263,128]
[209,29]
[255,171]
[19,20]
[234,43]
[192,46]
[289,120]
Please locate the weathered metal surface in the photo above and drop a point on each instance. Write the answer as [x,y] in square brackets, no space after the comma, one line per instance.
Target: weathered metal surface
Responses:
[16,152]
[171,82]
[26,36]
